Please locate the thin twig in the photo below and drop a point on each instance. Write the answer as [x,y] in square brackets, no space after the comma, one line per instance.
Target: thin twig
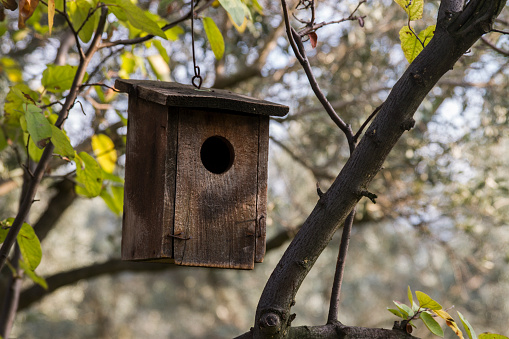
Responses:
[300,53]
[340,269]
[493,47]
[311,27]
[99,84]
[371,116]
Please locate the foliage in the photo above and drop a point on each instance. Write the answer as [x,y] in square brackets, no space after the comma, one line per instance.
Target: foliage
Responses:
[427,309]
[411,43]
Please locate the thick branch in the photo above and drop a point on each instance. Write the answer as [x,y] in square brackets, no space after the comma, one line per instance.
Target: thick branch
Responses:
[336,330]
[110,267]
[394,118]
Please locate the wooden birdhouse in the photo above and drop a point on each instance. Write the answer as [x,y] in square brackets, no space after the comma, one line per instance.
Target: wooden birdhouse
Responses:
[196,175]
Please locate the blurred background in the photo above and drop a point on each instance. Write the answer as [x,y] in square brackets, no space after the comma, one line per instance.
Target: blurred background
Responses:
[440,225]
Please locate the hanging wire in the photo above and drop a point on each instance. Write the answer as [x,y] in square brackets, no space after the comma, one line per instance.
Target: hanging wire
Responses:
[197,75]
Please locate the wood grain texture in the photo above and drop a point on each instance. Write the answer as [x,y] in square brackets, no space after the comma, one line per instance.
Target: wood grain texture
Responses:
[145,182]
[178,95]
[261,203]
[217,211]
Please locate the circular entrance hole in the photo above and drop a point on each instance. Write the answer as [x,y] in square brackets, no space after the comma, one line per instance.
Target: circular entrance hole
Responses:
[217,154]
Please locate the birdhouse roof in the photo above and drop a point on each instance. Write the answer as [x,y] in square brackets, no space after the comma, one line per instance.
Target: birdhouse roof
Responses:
[178,95]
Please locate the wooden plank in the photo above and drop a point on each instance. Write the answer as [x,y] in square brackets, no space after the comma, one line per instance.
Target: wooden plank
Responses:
[261,201]
[217,211]
[178,95]
[144,180]
[169,180]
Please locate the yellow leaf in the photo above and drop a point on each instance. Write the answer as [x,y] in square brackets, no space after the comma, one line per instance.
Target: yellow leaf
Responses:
[104,150]
[51,14]
[413,8]
[449,321]
[215,37]
[240,28]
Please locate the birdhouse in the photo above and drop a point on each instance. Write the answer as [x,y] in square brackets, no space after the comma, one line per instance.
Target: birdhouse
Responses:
[195,176]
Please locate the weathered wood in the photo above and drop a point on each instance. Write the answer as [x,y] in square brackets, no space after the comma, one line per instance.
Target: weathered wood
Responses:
[217,211]
[178,95]
[145,180]
[261,203]
[196,175]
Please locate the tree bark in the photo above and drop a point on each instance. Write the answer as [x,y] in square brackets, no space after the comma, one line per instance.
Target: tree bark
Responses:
[454,35]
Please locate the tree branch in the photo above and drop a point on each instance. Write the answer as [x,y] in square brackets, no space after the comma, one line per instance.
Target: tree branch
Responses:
[340,268]
[393,119]
[300,53]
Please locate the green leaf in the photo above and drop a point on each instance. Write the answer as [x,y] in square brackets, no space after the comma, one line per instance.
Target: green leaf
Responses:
[396,313]
[18,96]
[32,275]
[125,10]
[236,9]
[30,246]
[431,324]
[487,335]
[425,301]
[405,310]
[410,45]
[162,51]
[159,67]
[114,199]
[12,69]
[427,34]
[34,151]
[173,33]
[121,116]
[127,65]
[88,176]
[413,8]
[112,177]
[3,140]
[468,328]
[58,79]
[409,294]
[215,37]
[105,152]
[78,12]
[38,126]
[4,228]
[62,144]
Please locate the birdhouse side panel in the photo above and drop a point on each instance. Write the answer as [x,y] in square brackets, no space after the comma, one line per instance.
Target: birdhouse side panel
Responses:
[145,180]
[261,202]
[216,196]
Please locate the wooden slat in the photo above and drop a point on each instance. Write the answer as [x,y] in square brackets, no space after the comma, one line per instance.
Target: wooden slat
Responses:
[261,203]
[218,211]
[169,179]
[178,95]
[144,180]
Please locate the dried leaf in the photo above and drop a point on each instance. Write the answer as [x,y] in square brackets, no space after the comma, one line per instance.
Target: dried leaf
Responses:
[26,9]
[313,38]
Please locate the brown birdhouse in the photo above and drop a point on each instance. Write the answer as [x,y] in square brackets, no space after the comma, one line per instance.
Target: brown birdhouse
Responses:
[196,175]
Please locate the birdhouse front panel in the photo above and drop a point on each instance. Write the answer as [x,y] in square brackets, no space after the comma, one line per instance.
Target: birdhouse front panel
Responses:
[216,203]
[196,175]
